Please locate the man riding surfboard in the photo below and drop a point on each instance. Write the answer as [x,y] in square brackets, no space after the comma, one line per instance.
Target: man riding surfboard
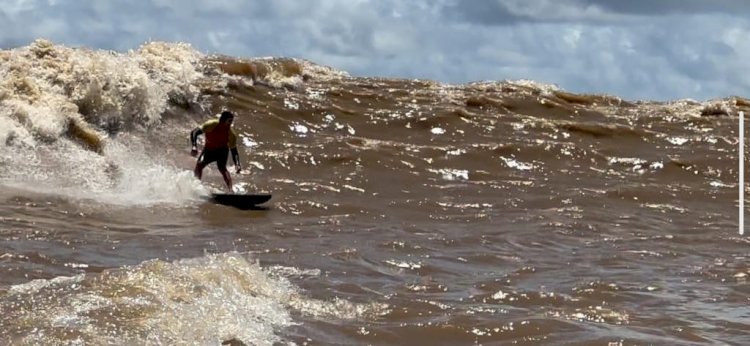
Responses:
[220,140]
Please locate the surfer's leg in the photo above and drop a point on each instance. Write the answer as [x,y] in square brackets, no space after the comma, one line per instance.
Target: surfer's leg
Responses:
[200,165]
[221,163]
[198,171]
[227,178]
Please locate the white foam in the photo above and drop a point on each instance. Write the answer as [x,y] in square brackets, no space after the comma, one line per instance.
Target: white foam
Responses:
[405,264]
[291,104]
[545,88]
[512,163]
[321,72]
[677,140]
[203,301]
[451,174]
[35,286]
[248,142]
[124,175]
[299,128]
[46,87]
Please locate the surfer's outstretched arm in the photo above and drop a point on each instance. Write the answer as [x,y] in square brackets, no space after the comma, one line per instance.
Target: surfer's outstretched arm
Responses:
[236,159]
[194,140]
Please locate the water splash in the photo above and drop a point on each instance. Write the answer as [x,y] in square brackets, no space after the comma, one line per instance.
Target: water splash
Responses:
[60,109]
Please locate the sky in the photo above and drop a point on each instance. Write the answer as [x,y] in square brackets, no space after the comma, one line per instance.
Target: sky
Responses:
[634,49]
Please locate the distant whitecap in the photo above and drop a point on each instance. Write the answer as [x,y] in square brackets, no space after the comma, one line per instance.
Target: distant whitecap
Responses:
[299,128]
[677,140]
[517,164]
[249,142]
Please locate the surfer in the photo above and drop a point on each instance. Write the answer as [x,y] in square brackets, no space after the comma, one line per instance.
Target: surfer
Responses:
[220,139]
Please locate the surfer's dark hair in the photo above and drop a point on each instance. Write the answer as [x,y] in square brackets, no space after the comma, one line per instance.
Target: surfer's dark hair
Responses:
[226,115]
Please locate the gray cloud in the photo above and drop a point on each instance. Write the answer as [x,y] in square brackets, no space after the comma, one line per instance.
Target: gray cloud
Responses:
[510,12]
[661,7]
[634,49]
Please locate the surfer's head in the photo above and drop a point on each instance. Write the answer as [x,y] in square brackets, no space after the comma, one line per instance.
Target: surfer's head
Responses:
[226,117]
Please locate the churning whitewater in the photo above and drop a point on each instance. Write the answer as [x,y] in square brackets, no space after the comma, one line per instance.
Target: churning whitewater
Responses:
[404,211]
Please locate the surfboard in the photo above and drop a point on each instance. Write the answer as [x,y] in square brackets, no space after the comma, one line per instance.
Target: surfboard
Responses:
[240,201]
